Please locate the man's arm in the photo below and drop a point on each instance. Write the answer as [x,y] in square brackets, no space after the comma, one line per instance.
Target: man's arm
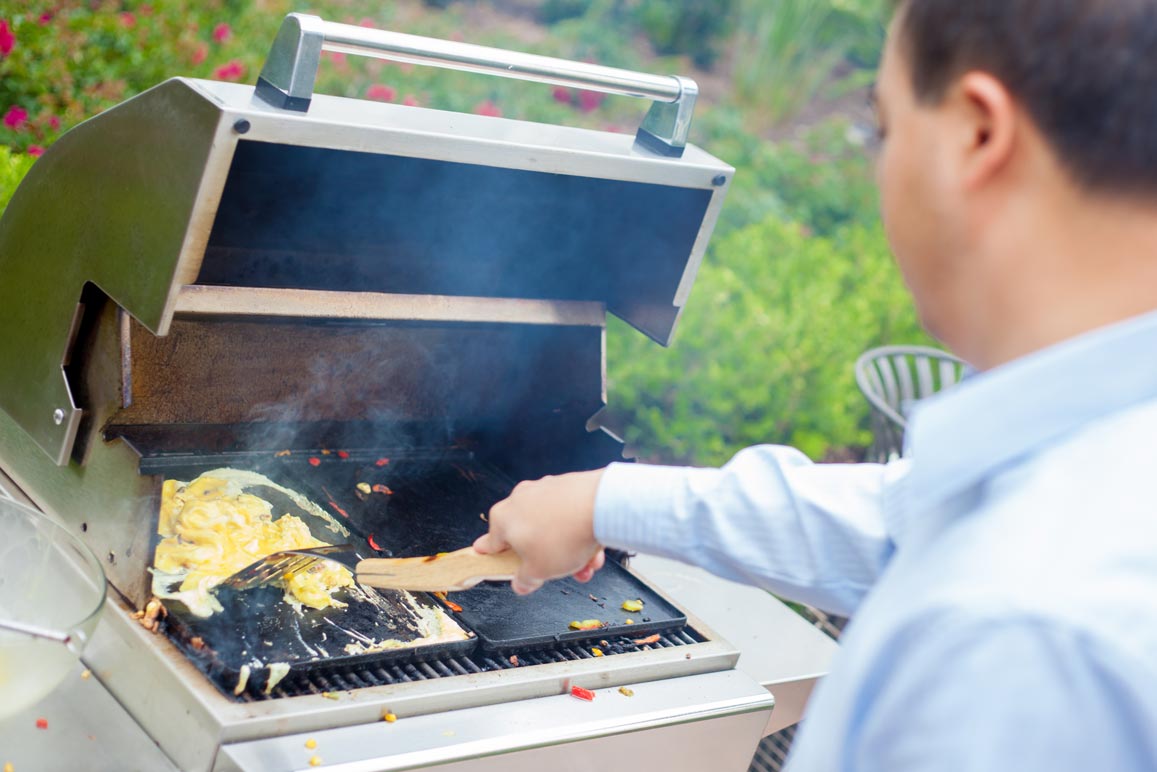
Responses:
[813,533]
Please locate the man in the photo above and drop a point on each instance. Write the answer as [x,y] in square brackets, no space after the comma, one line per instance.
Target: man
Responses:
[1003,577]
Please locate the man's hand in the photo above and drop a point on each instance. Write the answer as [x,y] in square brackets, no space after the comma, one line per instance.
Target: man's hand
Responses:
[550,524]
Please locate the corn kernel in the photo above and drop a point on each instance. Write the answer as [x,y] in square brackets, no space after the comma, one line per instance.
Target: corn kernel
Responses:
[389,717]
[311,743]
[315,761]
[8,767]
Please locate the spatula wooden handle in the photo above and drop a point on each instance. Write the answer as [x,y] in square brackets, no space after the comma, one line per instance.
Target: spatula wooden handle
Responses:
[449,571]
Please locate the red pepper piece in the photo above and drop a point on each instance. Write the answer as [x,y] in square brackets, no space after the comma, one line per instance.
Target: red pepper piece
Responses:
[343,455]
[582,694]
[42,723]
[334,504]
[314,461]
[379,488]
[649,639]
[373,542]
[454,606]
[381,462]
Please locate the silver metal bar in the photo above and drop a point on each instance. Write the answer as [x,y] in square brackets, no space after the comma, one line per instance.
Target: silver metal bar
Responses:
[400,47]
[290,70]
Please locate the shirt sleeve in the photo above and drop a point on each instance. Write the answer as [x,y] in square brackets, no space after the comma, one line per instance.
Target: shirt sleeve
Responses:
[770,518]
[994,696]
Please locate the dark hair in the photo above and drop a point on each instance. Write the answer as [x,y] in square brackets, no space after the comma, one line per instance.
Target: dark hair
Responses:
[1085,70]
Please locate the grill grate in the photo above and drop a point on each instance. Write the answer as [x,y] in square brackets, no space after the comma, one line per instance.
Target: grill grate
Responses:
[385,674]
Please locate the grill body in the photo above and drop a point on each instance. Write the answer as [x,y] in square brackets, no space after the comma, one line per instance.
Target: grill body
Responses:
[196,274]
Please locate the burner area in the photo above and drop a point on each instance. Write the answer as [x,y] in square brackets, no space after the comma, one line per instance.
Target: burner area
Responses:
[350,676]
[404,504]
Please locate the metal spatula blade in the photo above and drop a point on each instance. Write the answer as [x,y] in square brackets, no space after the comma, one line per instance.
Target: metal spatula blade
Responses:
[278,565]
[458,570]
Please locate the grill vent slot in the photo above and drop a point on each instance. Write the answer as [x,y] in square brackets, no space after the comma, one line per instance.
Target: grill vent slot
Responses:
[385,674]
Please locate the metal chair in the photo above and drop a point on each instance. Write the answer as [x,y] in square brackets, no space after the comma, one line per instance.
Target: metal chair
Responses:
[892,378]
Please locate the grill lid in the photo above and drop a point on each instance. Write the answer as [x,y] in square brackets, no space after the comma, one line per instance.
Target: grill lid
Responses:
[198,182]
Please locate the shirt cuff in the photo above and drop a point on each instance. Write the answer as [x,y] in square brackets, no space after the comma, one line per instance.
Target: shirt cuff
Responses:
[633,502]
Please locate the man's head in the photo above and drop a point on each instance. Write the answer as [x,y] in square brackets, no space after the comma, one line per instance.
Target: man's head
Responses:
[1011,126]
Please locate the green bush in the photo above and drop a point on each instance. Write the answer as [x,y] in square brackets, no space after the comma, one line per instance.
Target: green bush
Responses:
[765,349]
[695,28]
[13,167]
[823,180]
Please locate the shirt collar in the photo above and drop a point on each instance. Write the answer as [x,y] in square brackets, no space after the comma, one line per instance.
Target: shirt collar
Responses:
[964,435]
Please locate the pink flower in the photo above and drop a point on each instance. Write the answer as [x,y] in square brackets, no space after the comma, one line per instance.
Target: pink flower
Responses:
[339,60]
[53,123]
[232,70]
[381,93]
[410,101]
[200,55]
[222,32]
[487,108]
[561,95]
[7,39]
[45,18]
[589,100]
[15,118]
[128,20]
[366,21]
[35,150]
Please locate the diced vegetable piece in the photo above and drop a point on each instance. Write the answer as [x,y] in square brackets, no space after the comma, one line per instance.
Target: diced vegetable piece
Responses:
[586,624]
[582,694]
[633,605]
[389,717]
[311,743]
[626,692]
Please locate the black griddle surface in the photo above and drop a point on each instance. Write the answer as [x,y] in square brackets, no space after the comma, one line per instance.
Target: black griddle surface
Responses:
[425,502]
[507,622]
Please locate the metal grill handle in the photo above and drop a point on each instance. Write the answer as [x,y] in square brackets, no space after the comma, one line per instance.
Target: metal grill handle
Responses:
[290,71]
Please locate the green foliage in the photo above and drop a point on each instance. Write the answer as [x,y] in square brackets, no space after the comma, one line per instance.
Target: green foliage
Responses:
[793,49]
[823,180]
[13,167]
[694,28]
[765,348]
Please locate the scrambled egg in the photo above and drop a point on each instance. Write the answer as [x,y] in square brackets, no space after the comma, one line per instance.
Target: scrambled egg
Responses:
[211,529]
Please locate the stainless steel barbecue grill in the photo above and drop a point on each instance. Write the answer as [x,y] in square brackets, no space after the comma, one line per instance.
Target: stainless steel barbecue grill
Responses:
[216,275]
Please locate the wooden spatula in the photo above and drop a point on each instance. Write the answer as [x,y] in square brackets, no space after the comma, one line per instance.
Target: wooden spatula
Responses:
[445,572]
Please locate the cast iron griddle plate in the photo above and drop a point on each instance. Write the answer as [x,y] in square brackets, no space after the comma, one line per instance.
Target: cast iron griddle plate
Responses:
[434,504]
[507,622]
[257,628]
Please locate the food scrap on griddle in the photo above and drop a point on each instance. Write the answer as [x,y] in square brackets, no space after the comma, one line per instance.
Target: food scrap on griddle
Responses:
[211,529]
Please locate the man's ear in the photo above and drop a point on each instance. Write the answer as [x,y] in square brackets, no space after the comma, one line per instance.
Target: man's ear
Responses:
[989,127]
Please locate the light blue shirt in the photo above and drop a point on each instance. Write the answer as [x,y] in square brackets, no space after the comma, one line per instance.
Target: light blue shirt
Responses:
[1003,577]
